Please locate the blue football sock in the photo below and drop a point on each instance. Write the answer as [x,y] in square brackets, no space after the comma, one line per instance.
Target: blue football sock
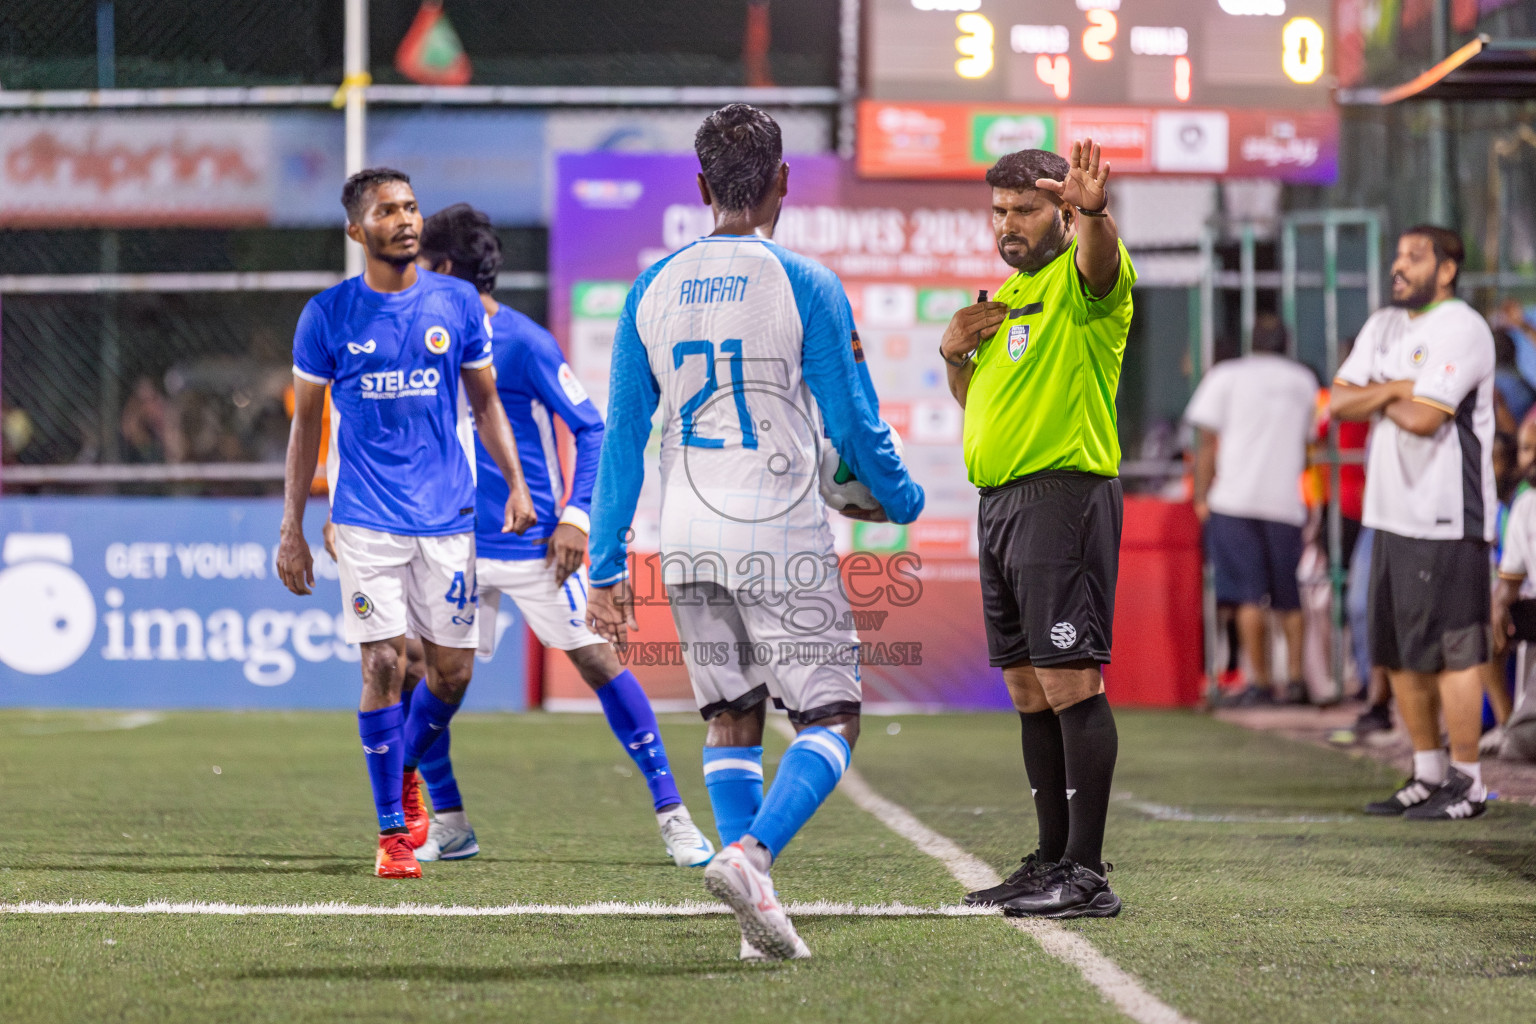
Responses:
[734,777]
[437,770]
[809,772]
[634,723]
[426,724]
[384,754]
[405,697]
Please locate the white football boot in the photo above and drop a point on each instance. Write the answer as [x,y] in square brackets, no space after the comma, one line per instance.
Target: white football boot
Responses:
[750,954]
[686,845]
[732,878]
[448,842]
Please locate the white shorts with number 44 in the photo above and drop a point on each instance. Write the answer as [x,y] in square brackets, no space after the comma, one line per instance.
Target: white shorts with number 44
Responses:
[392,585]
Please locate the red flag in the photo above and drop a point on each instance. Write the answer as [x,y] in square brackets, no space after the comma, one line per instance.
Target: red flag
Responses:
[431,52]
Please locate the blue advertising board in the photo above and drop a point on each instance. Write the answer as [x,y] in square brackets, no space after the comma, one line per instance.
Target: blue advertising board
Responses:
[174,603]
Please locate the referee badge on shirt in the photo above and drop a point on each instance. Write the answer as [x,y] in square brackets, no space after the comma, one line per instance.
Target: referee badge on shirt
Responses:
[437,340]
[1018,340]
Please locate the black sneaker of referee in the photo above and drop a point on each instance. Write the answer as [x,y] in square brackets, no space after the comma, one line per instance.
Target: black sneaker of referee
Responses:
[1410,794]
[1068,890]
[1451,801]
[1024,881]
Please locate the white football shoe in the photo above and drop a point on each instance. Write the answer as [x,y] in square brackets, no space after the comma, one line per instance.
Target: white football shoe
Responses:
[686,845]
[448,842]
[732,878]
[750,954]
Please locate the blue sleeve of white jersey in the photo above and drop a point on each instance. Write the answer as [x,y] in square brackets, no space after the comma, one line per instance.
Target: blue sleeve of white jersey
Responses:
[560,392]
[851,413]
[632,399]
[313,359]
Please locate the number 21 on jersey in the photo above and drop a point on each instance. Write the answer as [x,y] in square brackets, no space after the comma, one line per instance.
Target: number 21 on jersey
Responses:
[690,408]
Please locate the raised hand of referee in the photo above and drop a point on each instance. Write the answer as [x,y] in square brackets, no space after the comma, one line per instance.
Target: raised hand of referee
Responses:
[1086,185]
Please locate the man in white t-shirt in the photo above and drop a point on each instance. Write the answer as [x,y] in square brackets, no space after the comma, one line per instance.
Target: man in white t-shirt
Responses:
[1255,416]
[1423,371]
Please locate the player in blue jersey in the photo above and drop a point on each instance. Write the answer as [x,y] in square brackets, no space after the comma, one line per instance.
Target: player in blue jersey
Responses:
[406,354]
[544,569]
[752,354]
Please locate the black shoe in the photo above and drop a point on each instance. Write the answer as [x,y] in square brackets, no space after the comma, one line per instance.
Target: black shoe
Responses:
[1451,801]
[1068,890]
[1412,793]
[1376,718]
[1247,697]
[1024,880]
[1296,693]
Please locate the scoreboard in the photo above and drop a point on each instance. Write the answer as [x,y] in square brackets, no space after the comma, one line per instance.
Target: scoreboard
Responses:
[1250,78]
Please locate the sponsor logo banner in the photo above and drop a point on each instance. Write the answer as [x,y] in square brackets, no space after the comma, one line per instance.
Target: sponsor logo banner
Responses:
[175,603]
[959,140]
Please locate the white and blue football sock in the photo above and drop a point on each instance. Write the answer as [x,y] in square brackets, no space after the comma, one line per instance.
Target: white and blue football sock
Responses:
[734,778]
[809,772]
[629,715]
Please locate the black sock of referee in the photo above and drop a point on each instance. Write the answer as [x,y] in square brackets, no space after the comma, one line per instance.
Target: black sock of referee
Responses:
[1047,771]
[1091,743]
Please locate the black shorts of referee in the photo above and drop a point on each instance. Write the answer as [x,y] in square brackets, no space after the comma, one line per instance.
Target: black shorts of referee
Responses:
[1429,604]
[1050,555]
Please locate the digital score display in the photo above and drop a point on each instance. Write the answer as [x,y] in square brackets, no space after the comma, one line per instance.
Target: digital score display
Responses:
[1221,53]
[1237,88]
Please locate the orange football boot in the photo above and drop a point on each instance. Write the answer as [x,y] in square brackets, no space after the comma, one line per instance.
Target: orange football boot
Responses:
[397,858]
[416,820]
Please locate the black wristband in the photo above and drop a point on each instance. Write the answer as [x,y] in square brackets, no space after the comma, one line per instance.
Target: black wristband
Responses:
[963,359]
[1102,211]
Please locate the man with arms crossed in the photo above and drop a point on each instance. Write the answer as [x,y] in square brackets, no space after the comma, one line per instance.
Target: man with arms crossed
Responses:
[1422,369]
[1036,372]
[542,570]
[743,526]
[394,344]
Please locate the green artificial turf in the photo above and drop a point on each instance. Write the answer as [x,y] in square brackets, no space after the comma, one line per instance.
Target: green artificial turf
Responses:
[1253,889]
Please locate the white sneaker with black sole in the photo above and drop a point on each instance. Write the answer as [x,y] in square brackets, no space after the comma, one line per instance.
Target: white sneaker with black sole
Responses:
[686,845]
[1456,799]
[1410,794]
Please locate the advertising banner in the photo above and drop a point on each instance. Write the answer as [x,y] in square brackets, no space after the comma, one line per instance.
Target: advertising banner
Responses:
[961,140]
[174,603]
[113,169]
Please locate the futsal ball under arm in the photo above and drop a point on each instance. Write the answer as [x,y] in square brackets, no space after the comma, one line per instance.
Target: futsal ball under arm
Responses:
[839,487]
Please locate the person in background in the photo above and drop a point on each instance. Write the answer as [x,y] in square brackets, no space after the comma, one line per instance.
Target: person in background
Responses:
[1518,395]
[1422,371]
[1375,688]
[1512,466]
[1255,416]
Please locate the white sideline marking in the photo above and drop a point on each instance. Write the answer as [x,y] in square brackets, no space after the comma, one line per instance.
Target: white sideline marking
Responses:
[688,909]
[1115,984]
[1167,812]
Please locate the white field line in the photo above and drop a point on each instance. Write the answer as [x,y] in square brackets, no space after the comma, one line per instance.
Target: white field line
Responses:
[1167,812]
[687,909]
[971,872]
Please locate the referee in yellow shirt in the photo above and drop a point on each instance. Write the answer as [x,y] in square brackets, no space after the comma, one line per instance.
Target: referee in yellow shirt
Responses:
[1036,371]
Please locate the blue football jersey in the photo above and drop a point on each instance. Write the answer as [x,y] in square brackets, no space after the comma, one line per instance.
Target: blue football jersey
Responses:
[536,384]
[400,455]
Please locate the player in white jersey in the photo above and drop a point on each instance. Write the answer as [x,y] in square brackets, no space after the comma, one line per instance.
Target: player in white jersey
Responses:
[406,354]
[751,352]
[1423,372]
